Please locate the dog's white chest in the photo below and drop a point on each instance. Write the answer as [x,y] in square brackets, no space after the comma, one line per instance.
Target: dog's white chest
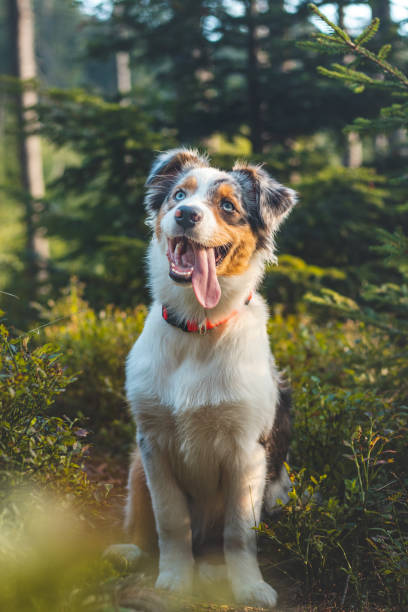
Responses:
[204,444]
[204,401]
[186,372]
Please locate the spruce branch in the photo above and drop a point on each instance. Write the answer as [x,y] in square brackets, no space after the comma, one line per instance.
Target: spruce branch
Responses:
[369,32]
[328,37]
[341,33]
[356,75]
[357,46]
[345,73]
[329,47]
[384,51]
[318,44]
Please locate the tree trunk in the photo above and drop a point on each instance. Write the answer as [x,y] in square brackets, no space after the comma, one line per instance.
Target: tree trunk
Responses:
[124,81]
[354,146]
[123,72]
[355,150]
[254,101]
[381,9]
[22,42]
[340,14]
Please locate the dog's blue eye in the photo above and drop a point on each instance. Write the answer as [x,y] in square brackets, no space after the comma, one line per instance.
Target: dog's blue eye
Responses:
[179,195]
[227,206]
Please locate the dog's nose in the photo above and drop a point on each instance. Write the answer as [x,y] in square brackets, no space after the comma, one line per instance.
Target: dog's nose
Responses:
[188,216]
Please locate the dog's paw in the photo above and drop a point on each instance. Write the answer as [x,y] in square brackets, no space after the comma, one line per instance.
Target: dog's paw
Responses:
[258,594]
[125,556]
[176,578]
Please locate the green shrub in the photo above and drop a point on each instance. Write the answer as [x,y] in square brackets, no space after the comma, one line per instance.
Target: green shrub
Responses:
[344,531]
[345,528]
[288,282]
[50,559]
[36,446]
[94,347]
[49,550]
[351,543]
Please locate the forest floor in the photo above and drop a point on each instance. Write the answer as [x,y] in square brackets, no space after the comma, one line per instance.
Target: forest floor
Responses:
[345,552]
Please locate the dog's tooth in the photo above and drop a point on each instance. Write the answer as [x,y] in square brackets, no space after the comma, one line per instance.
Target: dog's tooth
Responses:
[177,251]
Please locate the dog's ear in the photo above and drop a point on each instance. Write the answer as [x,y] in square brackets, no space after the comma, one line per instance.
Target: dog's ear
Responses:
[267,202]
[166,169]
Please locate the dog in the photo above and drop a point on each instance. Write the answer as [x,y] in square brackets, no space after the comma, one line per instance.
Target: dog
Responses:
[212,416]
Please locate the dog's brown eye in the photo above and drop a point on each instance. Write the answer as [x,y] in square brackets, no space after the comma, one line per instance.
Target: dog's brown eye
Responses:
[227,206]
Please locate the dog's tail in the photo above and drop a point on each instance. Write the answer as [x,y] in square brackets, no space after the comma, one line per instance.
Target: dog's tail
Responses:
[139,519]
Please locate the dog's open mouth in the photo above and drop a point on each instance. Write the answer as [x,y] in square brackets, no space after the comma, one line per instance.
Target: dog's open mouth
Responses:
[192,262]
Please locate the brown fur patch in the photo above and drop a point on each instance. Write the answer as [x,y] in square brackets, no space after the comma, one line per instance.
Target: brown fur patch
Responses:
[140,524]
[239,256]
[158,222]
[227,192]
[185,158]
[251,171]
[181,160]
[190,184]
[232,229]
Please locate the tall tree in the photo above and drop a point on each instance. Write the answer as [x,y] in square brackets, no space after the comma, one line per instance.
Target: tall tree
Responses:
[382,10]
[254,94]
[122,56]
[353,157]
[24,67]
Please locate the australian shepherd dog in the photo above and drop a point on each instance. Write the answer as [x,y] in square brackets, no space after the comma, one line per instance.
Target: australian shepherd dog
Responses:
[212,415]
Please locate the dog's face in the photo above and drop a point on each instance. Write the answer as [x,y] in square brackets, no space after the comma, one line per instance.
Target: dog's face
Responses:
[211,222]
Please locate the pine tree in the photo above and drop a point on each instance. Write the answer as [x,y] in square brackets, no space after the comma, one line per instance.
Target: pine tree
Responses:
[384,304]
[37,248]
[95,206]
[229,68]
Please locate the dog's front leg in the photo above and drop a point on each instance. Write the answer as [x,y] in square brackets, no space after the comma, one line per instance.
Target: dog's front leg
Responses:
[172,518]
[243,508]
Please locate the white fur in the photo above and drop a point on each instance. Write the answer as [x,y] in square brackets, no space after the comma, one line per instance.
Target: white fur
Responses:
[198,199]
[201,403]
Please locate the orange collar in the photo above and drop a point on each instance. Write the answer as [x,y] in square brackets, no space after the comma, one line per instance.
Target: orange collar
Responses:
[194,326]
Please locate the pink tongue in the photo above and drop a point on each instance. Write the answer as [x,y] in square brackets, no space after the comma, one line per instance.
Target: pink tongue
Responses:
[204,279]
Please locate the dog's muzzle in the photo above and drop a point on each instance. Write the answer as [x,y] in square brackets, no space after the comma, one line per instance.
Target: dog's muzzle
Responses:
[187,216]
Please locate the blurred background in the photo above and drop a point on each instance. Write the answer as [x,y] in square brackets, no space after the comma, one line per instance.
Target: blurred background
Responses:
[114,82]
[89,92]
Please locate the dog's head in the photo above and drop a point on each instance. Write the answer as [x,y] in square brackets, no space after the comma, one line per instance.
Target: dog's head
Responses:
[212,222]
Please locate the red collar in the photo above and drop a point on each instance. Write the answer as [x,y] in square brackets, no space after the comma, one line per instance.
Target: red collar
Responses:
[193,326]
